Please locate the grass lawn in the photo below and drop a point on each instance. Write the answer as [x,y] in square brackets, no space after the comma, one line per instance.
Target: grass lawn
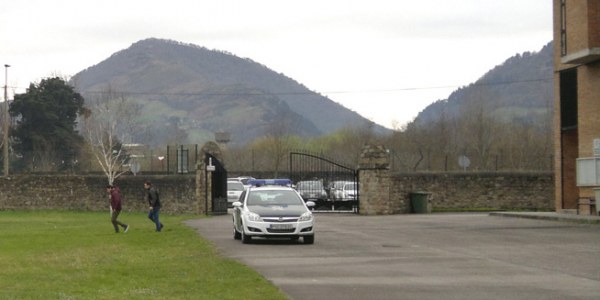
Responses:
[77,255]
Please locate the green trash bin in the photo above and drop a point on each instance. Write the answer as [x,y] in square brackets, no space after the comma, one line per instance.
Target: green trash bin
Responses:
[419,202]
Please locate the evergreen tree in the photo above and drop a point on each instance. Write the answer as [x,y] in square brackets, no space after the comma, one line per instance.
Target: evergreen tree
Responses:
[45,134]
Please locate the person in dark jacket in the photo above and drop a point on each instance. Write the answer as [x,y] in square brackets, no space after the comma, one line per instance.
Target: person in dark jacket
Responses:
[154,202]
[115,207]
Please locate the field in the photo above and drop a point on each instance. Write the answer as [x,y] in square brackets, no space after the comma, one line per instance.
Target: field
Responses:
[77,255]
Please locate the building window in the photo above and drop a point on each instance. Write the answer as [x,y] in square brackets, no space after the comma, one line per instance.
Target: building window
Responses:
[568,99]
[563,27]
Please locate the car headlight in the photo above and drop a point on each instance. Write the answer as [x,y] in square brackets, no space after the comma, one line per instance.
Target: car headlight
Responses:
[252,216]
[307,216]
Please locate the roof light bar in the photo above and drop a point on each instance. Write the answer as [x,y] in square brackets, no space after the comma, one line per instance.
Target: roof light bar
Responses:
[263,182]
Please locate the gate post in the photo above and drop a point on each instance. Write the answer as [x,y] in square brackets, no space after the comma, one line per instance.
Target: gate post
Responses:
[375,181]
[203,186]
[203,180]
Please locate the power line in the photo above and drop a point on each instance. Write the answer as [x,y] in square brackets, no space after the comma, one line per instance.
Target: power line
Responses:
[498,83]
[284,93]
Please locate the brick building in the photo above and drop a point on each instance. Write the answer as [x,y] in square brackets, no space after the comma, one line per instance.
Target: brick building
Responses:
[577,102]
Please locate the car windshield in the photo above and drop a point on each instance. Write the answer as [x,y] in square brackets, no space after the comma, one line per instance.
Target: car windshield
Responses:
[350,186]
[235,186]
[310,185]
[274,197]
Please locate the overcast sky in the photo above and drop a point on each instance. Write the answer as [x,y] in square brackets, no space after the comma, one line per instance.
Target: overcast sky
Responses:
[386,60]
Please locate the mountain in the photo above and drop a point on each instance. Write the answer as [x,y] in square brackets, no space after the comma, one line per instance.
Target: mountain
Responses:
[192,92]
[518,90]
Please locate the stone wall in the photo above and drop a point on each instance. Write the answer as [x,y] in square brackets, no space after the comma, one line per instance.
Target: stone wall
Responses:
[87,193]
[383,193]
[525,191]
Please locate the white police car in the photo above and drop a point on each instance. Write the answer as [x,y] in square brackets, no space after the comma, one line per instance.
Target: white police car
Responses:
[271,208]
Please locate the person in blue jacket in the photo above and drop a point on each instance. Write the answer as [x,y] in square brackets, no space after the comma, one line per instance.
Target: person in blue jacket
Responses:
[154,202]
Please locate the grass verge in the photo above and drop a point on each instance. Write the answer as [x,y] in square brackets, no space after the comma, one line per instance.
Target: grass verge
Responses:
[77,255]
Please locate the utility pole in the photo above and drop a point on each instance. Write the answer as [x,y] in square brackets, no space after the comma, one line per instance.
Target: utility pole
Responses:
[6,122]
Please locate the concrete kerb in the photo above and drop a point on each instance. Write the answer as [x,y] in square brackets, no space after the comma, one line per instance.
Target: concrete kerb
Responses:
[552,216]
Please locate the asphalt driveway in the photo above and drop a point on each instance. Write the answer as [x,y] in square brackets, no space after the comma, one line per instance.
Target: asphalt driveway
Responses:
[436,256]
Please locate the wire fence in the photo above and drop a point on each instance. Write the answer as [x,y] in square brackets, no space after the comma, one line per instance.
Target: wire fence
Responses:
[183,159]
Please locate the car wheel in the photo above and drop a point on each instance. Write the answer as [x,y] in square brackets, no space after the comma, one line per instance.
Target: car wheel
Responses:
[309,239]
[236,234]
[246,239]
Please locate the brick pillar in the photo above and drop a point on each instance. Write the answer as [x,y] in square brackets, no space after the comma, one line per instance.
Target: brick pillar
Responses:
[374,178]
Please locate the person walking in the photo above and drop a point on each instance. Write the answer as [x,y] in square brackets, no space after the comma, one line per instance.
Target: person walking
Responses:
[154,201]
[115,207]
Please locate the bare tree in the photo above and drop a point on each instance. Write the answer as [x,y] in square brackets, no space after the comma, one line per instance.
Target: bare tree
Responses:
[278,142]
[479,130]
[346,144]
[109,127]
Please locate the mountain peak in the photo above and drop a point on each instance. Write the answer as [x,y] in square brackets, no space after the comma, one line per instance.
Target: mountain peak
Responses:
[210,90]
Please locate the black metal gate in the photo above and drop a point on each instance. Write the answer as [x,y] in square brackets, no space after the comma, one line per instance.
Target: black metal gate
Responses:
[218,174]
[331,185]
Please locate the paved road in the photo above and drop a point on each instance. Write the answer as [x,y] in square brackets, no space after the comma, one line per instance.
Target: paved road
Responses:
[437,256]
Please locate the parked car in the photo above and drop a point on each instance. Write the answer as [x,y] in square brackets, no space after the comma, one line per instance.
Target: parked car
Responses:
[234,190]
[349,191]
[311,190]
[272,211]
[335,189]
[243,179]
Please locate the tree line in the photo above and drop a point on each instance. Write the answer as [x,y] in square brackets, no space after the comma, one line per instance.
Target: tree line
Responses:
[476,139]
[54,129]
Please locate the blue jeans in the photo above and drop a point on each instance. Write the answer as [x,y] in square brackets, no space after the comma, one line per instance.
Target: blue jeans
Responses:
[153,216]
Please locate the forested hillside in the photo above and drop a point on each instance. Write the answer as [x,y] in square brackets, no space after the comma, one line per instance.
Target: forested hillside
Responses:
[518,90]
[187,93]
[503,121]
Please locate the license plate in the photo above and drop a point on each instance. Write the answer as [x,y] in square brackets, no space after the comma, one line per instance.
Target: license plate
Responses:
[282,226]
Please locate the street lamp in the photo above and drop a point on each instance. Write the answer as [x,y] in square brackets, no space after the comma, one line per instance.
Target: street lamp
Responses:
[6,123]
